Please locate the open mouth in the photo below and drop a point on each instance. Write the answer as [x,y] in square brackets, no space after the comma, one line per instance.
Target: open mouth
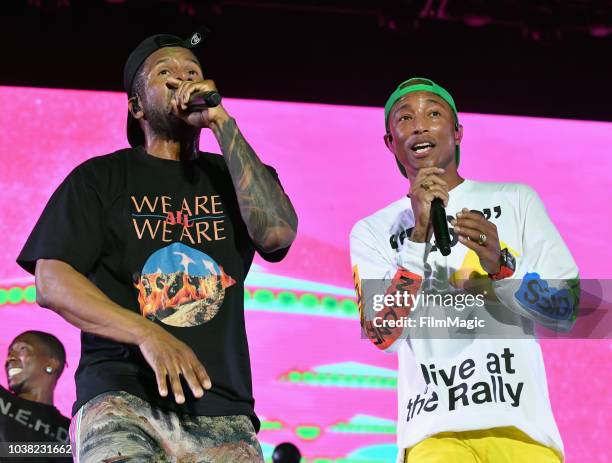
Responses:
[423,148]
[13,372]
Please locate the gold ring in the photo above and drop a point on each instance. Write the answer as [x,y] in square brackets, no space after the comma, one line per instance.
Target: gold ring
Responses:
[482,239]
[425,186]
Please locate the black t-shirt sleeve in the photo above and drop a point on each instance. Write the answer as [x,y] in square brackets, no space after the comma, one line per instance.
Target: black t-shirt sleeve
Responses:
[278,255]
[70,228]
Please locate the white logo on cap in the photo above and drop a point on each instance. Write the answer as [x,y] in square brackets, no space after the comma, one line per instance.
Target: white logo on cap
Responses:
[196,38]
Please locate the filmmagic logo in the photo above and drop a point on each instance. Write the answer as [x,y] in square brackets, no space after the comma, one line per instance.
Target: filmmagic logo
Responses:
[429,322]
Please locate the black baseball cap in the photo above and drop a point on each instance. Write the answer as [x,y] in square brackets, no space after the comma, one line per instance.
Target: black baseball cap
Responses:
[137,58]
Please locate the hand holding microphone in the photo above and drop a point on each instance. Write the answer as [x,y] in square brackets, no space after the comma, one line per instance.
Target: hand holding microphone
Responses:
[429,197]
[200,101]
[197,102]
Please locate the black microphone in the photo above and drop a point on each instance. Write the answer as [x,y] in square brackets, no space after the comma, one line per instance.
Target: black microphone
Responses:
[440,226]
[199,101]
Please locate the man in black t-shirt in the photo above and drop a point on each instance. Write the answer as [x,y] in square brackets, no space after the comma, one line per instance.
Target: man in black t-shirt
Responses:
[146,251]
[33,365]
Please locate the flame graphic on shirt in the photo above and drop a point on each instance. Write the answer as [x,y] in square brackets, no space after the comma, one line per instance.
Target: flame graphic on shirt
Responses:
[186,289]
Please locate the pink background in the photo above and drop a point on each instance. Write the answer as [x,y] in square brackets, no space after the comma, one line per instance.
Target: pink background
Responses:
[333,164]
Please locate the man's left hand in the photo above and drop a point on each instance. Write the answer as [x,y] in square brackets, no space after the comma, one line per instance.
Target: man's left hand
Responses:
[480,235]
[180,103]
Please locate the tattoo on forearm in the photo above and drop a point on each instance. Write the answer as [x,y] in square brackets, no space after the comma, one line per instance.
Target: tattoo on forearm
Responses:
[264,206]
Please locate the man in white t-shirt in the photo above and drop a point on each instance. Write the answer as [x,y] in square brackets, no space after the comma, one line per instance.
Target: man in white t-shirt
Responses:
[471,383]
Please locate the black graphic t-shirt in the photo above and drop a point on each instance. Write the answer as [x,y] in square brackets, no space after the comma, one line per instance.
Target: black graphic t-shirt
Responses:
[165,239]
[23,421]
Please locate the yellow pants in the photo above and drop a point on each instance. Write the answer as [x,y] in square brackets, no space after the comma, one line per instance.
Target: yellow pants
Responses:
[496,445]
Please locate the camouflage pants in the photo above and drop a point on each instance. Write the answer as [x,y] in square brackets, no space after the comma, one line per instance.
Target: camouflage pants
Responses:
[117,427]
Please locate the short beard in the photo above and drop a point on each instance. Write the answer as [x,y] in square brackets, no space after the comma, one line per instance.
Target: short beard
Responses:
[167,126]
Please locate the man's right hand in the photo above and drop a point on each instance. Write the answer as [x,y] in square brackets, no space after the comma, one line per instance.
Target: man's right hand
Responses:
[169,357]
[426,186]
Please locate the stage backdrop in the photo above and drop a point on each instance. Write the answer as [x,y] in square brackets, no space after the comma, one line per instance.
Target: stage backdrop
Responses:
[316,382]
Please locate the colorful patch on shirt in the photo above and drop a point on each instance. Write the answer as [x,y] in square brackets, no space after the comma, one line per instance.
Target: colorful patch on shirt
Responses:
[181,286]
[536,295]
[358,291]
[470,267]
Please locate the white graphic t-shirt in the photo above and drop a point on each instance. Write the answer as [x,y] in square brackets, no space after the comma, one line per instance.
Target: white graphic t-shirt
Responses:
[447,383]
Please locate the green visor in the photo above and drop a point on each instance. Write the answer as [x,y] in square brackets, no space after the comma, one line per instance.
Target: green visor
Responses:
[420,84]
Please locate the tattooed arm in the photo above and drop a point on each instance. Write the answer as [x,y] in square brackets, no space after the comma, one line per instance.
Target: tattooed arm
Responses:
[264,206]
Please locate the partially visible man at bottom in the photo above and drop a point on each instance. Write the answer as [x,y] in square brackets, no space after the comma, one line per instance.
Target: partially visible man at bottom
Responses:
[34,363]
[466,394]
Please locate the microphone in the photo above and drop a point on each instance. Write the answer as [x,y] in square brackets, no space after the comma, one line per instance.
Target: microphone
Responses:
[199,101]
[440,226]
